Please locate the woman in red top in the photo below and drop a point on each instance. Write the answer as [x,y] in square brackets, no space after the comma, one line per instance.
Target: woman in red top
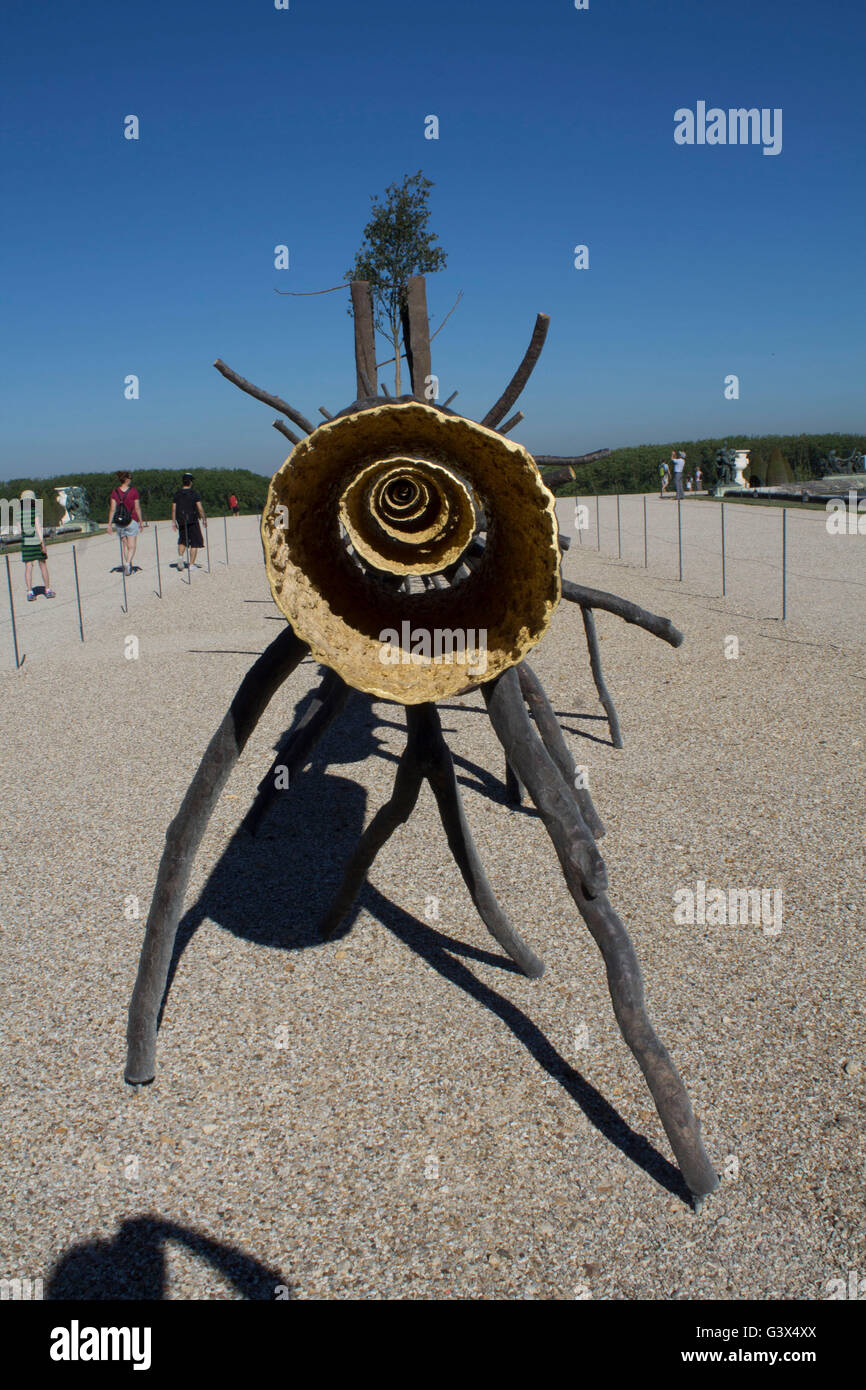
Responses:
[127,496]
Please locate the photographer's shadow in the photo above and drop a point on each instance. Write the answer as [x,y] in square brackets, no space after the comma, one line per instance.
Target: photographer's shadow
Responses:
[131,1264]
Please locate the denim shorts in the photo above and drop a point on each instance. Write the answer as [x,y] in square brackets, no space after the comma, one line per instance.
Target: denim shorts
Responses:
[128,531]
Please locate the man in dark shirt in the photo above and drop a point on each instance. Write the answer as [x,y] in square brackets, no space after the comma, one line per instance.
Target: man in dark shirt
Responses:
[186,513]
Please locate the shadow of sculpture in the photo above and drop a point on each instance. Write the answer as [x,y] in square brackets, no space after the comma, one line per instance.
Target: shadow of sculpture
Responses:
[440,951]
[297,856]
[132,1265]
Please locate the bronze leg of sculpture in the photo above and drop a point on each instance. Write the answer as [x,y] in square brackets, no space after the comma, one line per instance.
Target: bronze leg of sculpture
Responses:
[598,676]
[407,785]
[536,769]
[513,786]
[426,755]
[551,736]
[439,769]
[329,700]
[183,838]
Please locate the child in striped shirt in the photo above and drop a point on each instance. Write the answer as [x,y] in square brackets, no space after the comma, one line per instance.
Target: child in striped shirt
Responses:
[33,545]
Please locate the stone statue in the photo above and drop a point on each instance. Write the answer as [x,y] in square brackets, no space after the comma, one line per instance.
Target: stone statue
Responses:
[832,465]
[726,464]
[76,509]
[731,465]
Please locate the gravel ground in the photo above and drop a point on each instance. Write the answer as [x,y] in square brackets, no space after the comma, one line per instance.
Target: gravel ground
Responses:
[397,1113]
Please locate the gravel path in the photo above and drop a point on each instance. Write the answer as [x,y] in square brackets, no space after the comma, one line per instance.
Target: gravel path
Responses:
[397,1113]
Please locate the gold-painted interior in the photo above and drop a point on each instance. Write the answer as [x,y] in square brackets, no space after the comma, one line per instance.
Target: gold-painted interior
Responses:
[342,612]
[424,542]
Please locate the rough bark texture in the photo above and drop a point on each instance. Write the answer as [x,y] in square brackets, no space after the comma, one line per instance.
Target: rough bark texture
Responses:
[276,402]
[510,424]
[426,755]
[569,834]
[623,608]
[295,749]
[498,411]
[439,771]
[552,737]
[183,838]
[289,434]
[365,339]
[598,676]
[416,335]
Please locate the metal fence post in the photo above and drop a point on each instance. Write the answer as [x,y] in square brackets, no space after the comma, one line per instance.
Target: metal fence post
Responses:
[77,591]
[784,562]
[597,522]
[618,529]
[18,664]
[125,604]
[680,533]
[578,526]
[207,547]
[724,586]
[645,558]
[226,531]
[158,571]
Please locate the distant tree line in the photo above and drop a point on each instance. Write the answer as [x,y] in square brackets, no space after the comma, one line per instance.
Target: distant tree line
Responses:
[773,459]
[157,487]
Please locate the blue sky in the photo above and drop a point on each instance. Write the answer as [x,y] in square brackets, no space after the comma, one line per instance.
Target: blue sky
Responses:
[261,126]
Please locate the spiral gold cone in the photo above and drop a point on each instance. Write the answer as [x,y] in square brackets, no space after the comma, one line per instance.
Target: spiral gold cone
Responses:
[402,484]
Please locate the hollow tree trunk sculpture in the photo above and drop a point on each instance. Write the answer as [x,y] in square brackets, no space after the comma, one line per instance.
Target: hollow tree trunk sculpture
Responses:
[397,512]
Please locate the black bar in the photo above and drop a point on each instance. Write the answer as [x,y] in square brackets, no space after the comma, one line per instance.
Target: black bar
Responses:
[158,571]
[77,591]
[18,664]
[784,562]
[125,605]
[645,553]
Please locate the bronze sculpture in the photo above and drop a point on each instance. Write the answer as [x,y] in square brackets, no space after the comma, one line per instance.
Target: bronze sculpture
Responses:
[398,512]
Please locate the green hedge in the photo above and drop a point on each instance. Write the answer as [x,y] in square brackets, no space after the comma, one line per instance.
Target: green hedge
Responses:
[157,487]
[637,469]
[633,469]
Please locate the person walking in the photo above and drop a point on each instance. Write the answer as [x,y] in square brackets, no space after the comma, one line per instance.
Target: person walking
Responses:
[664,476]
[678,460]
[124,515]
[186,514]
[699,478]
[33,545]
[234,506]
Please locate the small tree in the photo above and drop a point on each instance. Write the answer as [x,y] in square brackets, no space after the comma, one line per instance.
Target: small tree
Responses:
[396,245]
[778,469]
